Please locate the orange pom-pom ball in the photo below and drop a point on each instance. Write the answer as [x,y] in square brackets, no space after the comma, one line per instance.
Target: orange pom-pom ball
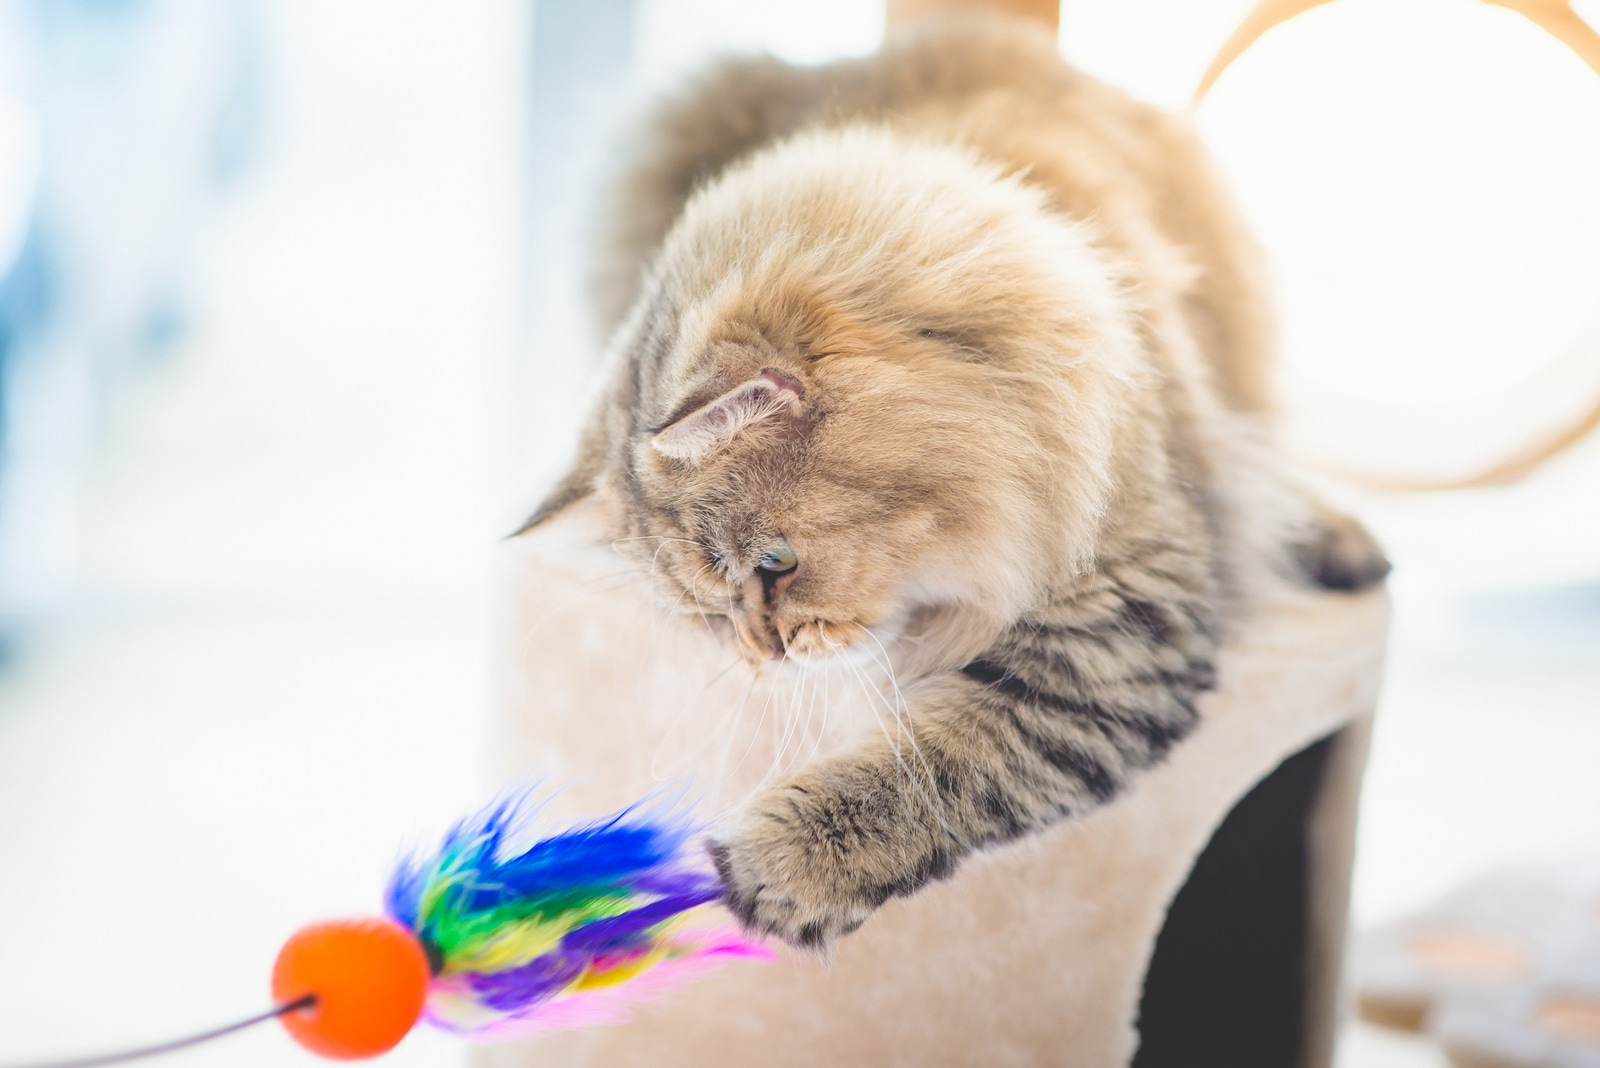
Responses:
[369,976]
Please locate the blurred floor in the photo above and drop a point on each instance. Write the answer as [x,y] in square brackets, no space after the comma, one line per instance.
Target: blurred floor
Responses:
[1361,1046]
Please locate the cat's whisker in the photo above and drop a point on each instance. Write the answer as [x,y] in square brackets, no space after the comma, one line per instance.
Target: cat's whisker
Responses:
[819,689]
[694,587]
[675,611]
[653,582]
[654,586]
[654,557]
[902,717]
[724,727]
[793,716]
[870,692]
[761,719]
[776,689]
[799,723]
[693,702]
[731,733]
[657,537]
[825,687]
[787,692]
[732,663]
[780,740]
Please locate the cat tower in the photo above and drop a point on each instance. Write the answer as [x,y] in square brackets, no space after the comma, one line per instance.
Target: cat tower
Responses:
[1197,920]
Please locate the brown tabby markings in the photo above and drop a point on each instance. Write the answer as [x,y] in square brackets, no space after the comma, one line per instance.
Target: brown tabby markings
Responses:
[980,341]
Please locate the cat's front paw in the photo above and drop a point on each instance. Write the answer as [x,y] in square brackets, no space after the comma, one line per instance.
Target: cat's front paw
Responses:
[787,870]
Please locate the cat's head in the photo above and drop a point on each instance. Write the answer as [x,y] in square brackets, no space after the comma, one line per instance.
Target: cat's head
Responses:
[867,395]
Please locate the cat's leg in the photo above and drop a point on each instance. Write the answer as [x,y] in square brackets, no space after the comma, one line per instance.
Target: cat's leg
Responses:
[1049,724]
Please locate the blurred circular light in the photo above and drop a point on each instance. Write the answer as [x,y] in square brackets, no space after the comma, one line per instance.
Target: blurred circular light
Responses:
[1426,177]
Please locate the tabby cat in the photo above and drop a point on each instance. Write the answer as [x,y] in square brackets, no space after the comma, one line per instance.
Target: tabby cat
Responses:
[955,352]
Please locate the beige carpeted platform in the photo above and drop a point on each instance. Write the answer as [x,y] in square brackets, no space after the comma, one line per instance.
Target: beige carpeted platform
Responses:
[1032,954]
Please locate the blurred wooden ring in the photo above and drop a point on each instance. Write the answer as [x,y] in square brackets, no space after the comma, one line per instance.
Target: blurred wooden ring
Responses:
[1540,392]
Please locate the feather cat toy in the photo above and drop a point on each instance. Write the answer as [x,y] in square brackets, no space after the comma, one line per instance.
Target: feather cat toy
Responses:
[490,936]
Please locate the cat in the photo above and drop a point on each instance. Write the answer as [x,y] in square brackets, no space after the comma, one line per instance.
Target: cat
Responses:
[955,353]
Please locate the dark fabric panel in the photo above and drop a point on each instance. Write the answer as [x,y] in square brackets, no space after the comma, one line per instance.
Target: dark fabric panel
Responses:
[1226,986]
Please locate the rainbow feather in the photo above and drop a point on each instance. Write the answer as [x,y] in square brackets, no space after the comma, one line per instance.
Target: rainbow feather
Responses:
[575,929]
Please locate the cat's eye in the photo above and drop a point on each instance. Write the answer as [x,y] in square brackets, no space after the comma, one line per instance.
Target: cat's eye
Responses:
[778,559]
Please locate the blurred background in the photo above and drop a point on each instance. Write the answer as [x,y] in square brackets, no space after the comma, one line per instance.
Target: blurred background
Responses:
[291,333]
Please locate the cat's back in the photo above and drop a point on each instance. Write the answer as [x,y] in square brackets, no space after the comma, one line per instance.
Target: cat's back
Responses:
[997,86]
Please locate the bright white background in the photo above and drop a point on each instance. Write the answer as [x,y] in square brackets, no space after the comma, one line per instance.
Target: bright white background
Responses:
[271,671]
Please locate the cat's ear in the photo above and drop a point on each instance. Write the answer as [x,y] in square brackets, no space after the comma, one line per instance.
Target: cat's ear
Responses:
[772,394]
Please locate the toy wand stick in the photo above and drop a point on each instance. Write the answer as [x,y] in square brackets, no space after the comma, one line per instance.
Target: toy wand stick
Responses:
[176,1044]
[489,937]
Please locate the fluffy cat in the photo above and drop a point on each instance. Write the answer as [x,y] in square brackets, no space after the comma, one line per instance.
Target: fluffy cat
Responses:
[955,352]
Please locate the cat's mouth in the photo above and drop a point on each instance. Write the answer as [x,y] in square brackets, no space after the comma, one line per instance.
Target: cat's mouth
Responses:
[809,643]
[824,643]
[819,642]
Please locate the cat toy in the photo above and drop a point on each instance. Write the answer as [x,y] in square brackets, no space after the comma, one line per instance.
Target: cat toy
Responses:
[490,936]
